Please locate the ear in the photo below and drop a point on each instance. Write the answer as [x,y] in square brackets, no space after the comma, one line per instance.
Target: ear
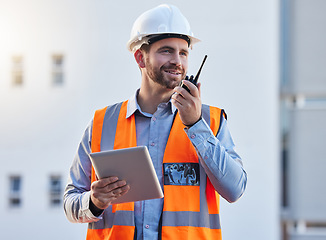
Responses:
[139,57]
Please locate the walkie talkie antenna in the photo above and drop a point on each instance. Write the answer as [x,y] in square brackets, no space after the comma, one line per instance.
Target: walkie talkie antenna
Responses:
[197,75]
[192,79]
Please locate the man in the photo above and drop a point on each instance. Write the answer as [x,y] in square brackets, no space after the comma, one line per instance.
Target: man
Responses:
[189,143]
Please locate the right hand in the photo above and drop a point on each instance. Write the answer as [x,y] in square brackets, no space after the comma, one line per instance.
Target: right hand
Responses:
[104,191]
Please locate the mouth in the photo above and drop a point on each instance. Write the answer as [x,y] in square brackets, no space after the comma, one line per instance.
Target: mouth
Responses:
[173,72]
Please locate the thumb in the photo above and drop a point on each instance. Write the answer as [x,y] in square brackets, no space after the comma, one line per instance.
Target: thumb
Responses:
[199,86]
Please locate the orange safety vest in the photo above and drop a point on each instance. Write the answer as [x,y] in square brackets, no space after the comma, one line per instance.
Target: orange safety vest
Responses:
[189,211]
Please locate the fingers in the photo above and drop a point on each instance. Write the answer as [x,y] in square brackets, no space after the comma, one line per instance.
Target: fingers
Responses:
[194,90]
[106,190]
[105,181]
[107,185]
[119,191]
[182,98]
[188,104]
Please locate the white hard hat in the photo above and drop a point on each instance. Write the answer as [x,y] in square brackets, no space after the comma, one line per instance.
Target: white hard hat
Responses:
[163,21]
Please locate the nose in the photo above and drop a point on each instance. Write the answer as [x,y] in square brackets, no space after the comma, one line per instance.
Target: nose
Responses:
[176,60]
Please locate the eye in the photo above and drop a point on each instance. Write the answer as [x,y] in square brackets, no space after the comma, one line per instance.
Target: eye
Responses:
[184,54]
[165,51]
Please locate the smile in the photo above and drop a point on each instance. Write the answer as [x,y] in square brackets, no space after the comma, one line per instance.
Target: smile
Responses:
[172,72]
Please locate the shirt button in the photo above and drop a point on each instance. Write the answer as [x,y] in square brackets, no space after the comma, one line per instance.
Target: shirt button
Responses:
[154,119]
[205,157]
[147,226]
[153,144]
[193,136]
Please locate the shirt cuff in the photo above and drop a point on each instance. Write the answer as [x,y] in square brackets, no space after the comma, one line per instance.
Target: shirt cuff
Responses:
[85,213]
[200,135]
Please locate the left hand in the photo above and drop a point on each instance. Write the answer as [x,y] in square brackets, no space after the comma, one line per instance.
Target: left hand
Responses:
[188,104]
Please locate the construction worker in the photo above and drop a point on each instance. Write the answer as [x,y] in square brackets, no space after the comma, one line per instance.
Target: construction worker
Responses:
[189,143]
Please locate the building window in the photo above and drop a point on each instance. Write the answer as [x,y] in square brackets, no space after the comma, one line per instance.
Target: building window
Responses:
[55,190]
[57,69]
[15,191]
[17,70]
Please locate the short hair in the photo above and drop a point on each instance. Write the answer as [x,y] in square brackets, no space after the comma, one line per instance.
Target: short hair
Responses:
[145,47]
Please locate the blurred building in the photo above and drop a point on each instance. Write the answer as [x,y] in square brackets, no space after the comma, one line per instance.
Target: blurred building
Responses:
[303,115]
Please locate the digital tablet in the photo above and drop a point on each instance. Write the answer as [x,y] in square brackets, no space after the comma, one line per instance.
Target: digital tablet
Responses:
[134,165]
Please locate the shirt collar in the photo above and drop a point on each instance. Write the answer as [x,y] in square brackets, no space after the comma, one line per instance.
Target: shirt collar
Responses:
[133,106]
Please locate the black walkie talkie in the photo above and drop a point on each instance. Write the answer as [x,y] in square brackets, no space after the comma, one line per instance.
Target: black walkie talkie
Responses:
[192,79]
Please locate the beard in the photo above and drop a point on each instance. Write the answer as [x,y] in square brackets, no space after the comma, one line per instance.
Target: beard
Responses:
[157,75]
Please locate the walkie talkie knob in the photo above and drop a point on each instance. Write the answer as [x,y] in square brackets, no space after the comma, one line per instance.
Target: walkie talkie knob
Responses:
[191,79]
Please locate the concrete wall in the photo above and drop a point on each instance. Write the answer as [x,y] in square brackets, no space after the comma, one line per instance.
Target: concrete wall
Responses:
[41,124]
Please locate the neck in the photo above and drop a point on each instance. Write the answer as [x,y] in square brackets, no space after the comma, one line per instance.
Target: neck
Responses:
[150,97]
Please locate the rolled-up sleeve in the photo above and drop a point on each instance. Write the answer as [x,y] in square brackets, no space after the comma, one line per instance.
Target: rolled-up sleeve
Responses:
[218,157]
[77,193]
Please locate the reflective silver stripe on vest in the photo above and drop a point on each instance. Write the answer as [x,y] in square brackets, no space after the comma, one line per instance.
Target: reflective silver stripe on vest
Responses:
[202,191]
[191,219]
[213,220]
[122,218]
[110,126]
[206,114]
[203,176]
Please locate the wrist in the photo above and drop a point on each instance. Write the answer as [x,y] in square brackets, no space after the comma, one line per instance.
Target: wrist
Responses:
[94,209]
[189,126]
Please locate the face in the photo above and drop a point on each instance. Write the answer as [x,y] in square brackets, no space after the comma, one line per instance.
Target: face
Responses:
[166,62]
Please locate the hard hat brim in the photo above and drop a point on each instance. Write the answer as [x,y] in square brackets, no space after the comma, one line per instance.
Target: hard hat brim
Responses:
[136,43]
